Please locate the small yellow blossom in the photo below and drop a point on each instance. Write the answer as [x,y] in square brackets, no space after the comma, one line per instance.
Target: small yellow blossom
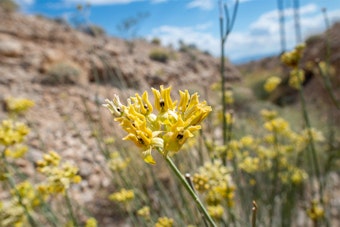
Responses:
[272,83]
[18,105]
[201,182]
[50,159]
[12,132]
[122,196]
[164,222]
[91,222]
[144,212]
[296,78]
[229,97]
[315,211]
[268,114]
[17,151]
[59,176]
[293,57]
[216,212]
[277,125]
[229,118]
[250,164]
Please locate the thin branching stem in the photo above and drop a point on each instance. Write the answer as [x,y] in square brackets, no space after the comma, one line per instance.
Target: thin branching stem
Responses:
[190,190]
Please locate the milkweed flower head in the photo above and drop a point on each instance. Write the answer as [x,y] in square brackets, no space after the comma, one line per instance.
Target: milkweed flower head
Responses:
[166,131]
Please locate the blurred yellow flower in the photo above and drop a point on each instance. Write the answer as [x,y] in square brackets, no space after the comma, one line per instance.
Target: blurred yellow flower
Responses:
[272,83]
[216,212]
[122,196]
[18,105]
[12,132]
[164,222]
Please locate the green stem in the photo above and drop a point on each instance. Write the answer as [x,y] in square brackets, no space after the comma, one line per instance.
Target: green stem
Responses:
[12,184]
[190,191]
[311,144]
[69,206]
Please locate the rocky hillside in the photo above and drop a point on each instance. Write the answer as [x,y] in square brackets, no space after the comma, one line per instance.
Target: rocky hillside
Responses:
[68,74]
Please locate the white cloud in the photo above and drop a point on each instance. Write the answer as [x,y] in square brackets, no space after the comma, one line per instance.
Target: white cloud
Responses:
[102,2]
[197,35]
[262,36]
[201,4]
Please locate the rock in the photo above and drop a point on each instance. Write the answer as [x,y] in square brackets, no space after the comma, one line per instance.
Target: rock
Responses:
[11,48]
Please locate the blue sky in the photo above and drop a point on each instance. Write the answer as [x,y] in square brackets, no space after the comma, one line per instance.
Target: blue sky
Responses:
[256,31]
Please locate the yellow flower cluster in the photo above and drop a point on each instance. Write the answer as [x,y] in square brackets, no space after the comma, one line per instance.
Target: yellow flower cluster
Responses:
[272,83]
[164,222]
[91,222]
[292,60]
[169,129]
[122,196]
[144,212]
[216,211]
[293,57]
[18,105]
[296,78]
[315,211]
[12,132]
[214,180]
[59,176]
[24,196]
[277,149]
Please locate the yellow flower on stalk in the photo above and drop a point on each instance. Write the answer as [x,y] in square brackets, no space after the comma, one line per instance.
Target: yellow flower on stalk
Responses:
[164,222]
[122,196]
[168,130]
[296,78]
[272,83]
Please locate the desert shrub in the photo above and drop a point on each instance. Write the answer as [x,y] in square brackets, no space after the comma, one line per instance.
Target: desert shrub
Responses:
[93,30]
[9,5]
[156,41]
[159,55]
[258,89]
[62,73]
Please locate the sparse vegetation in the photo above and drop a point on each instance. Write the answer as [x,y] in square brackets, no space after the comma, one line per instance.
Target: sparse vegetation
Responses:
[159,55]
[61,73]
[9,5]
